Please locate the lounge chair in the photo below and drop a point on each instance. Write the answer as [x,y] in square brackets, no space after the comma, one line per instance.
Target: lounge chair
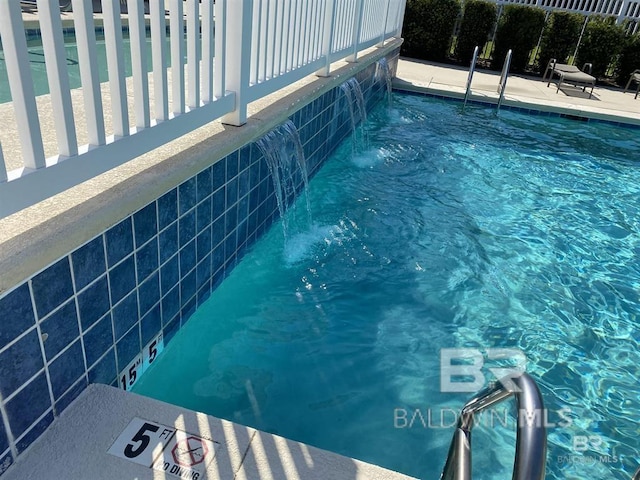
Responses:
[570,74]
[635,77]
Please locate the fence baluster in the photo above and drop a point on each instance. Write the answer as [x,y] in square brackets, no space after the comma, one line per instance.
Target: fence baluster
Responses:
[115,62]
[158,56]
[14,47]
[138,36]
[193,52]
[220,62]
[58,77]
[176,20]
[207,50]
[89,76]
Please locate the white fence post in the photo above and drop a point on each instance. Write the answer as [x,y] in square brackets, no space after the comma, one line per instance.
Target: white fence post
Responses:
[239,32]
[357,28]
[384,28]
[176,23]
[193,53]
[115,62]
[89,76]
[14,46]
[58,77]
[327,39]
[138,36]
[159,55]
[220,80]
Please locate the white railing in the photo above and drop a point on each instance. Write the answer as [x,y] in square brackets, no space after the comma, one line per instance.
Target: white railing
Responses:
[621,9]
[256,48]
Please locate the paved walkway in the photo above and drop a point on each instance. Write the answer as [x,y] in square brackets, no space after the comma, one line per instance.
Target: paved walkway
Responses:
[522,91]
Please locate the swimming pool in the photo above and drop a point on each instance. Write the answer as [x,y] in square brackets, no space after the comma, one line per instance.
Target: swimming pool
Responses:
[451,230]
[39,71]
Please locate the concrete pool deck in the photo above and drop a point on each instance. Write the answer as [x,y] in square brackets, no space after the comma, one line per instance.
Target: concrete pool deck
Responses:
[80,445]
[522,91]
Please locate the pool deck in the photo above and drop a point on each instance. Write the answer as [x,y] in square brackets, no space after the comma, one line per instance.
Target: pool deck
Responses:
[522,91]
[79,446]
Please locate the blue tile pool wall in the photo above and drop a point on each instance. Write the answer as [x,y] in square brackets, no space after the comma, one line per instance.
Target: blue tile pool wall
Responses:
[85,317]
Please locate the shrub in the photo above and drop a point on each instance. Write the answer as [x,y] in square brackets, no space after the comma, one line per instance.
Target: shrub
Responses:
[629,59]
[560,37]
[477,22]
[601,44]
[428,26]
[519,28]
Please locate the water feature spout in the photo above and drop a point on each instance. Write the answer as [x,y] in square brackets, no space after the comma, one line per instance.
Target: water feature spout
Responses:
[357,109]
[383,74]
[285,158]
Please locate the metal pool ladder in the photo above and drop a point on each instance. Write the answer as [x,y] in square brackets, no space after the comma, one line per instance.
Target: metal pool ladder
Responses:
[531,436]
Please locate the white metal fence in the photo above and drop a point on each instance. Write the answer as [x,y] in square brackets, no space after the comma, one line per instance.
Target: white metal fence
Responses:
[256,48]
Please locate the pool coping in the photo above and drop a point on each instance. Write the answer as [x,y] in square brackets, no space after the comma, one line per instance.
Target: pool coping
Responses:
[86,430]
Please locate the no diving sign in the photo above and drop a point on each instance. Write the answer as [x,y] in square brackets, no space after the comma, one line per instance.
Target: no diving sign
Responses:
[165,448]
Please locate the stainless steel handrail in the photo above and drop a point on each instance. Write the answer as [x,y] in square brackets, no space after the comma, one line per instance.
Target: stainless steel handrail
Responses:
[502,86]
[531,436]
[472,69]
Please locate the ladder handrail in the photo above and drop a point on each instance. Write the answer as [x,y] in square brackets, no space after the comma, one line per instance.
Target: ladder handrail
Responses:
[502,86]
[531,436]
[472,69]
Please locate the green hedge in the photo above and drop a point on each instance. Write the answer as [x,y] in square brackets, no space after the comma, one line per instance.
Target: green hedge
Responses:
[519,28]
[601,44]
[629,60]
[477,22]
[428,26]
[560,37]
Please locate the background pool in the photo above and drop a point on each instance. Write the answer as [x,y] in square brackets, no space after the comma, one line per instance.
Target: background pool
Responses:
[450,230]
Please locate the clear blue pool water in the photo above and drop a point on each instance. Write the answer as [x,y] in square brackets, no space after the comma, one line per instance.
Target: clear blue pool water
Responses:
[451,230]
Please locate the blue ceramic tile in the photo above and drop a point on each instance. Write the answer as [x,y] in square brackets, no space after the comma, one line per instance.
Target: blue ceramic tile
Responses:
[204,244]
[217,258]
[5,462]
[65,370]
[204,182]
[203,272]
[105,370]
[20,362]
[119,241]
[122,279]
[252,223]
[151,324]
[245,157]
[232,191]
[188,310]
[187,258]
[243,208]
[218,201]
[149,293]
[145,224]
[33,434]
[88,263]
[61,328]
[203,218]
[187,225]
[188,287]
[70,396]
[125,315]
[217,231]
[204,293]
[169,275]
[147,259]
[254,175]
[230,246]
[52,287]
[128,347]
[28,405]
[231,219]
[171,304]
[232,165]
[167,208]
[168,241]
[17,314]
[219,174]
[4,441]
[93,303]
[187,195]
[169,331]
[243,183]
[98,340]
